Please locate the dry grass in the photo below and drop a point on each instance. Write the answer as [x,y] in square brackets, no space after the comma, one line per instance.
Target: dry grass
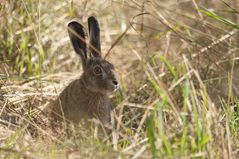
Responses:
[178,66]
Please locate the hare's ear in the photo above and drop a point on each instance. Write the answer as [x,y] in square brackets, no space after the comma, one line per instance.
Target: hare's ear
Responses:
[94,30]
[77,37]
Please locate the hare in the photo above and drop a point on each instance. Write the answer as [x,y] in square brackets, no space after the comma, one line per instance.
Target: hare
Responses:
[87,97]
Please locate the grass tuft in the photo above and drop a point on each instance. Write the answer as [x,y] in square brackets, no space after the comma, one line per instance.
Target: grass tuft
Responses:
[177,63]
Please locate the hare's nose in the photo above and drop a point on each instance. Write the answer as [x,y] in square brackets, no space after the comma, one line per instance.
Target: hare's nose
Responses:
[115,83]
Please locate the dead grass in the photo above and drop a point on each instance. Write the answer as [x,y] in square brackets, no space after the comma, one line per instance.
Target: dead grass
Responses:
[176,60]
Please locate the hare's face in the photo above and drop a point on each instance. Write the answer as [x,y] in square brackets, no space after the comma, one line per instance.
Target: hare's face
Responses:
[98,74]
[101,76]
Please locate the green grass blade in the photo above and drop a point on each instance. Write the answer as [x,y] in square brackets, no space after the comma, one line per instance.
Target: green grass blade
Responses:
[219,18]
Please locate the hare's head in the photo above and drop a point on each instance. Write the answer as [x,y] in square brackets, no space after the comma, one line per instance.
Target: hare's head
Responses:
[98,73]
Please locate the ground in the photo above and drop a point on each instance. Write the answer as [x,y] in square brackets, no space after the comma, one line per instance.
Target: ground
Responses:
[177,62]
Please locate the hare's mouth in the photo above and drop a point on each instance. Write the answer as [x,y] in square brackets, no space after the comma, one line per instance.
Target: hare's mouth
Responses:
[116,88]
[115,84]
[113,87]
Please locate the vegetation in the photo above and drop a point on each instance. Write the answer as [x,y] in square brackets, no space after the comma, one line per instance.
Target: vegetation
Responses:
[178,66]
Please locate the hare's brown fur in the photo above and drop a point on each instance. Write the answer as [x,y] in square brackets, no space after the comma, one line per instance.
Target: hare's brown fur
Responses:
[87,97]
[77,103]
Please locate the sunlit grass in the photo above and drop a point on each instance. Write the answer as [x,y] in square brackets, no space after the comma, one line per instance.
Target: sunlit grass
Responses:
[177,63]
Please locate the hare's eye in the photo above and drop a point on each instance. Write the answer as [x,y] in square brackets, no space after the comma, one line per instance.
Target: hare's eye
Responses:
[97,70]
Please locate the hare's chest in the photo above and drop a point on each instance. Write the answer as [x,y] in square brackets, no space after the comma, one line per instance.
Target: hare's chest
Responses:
[78,109]
[98,107]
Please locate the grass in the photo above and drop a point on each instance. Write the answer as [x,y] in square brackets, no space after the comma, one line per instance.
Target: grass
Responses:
[177,63]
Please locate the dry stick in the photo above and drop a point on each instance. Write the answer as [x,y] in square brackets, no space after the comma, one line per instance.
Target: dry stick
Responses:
[62,114]
[121,36]
[4,106]
[221,138]
[223,38]
[6,70]
[197,8]
[188,74]
[137,105]
[229,142]
[138,153]
[235,152]
[30,94]
[133,145]
[168,37]
[191,84]
[195,155]
[142,17]
[117,40]
[144,118]
[114,133]
[119,121]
